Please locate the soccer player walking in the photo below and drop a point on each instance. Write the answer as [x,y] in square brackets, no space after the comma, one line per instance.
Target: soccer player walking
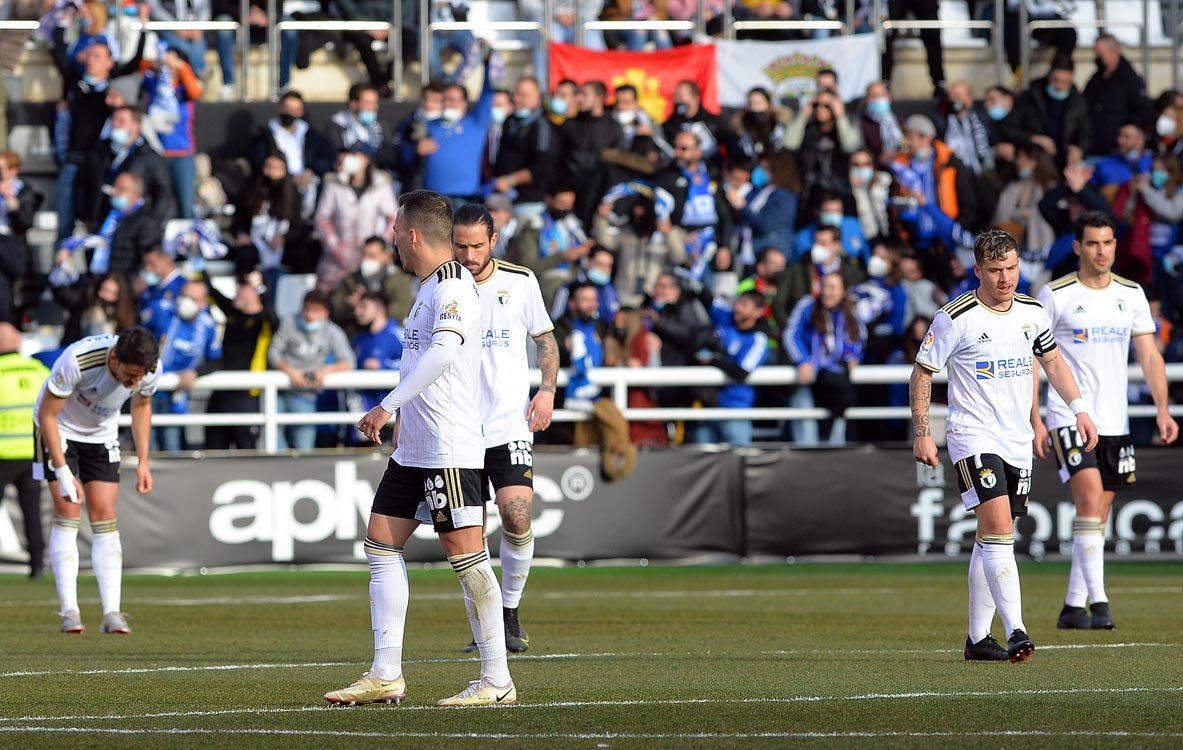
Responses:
[512,308]
[1095,315]
[434,474]
[76,441]
[988,339]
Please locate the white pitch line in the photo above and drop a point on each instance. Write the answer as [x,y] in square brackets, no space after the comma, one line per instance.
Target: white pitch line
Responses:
[621,703]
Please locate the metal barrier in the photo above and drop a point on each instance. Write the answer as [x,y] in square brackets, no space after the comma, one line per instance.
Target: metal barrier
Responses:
[427,31]
[617,380]
[240,29]
[1029,26]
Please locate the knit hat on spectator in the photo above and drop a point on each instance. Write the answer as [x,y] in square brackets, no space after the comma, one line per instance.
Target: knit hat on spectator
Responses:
[128,87]
[921,125]
[361,147]
[498,202]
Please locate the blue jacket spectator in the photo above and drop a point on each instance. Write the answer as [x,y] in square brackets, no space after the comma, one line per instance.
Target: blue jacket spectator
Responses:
[768,212]
[455,143]
[159,279]
[830,212]
[741,346]
[378,344]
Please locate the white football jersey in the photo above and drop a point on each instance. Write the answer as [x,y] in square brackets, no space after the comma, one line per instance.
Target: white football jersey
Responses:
[441,427]
[512,309]
[93,396]
[1093,328]
[990,359]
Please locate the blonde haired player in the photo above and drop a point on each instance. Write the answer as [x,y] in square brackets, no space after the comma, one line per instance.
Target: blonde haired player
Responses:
[988,339]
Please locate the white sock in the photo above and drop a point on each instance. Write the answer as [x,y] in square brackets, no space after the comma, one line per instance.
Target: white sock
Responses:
[106,557]
[1078,591]
[981,602]
[63,559]
[482,600]
[1002,574]
[517,552]
[389,594]
[1088,543]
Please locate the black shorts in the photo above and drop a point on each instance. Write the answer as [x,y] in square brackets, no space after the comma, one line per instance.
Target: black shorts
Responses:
[978,481]
[509,465]
[1113,456]
[449,499]
[90,462]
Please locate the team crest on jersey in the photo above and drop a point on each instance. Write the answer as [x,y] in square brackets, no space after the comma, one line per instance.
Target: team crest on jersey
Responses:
[451,311]
[1028,331]
[1121,305]
[417,309]
[984,369]
[987,478]
[503,296]
[1080,335]
[60,379]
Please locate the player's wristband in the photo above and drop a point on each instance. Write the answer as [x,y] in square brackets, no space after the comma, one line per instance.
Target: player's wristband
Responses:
[66,486]
[1078,405]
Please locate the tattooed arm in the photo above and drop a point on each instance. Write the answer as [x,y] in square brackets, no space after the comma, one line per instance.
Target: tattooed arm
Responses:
[542,406]
[920,398]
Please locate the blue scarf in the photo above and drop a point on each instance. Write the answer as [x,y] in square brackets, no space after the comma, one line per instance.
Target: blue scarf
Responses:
[5,224]
[100,262]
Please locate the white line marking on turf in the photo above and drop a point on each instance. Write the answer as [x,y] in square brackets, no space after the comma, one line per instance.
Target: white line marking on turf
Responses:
[619,703]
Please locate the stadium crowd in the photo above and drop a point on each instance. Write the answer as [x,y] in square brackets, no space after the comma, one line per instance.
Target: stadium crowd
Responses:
[823,238]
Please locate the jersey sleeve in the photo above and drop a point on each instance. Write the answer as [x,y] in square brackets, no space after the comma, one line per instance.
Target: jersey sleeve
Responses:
[1047,298]
[538,319]
[1143,320]
[456,307]
[65,375]
[1045,340]
[939,343]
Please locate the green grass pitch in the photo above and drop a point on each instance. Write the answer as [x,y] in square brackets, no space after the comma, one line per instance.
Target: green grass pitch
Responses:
[812,655]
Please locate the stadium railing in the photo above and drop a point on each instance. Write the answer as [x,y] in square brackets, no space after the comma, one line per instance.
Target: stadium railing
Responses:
[241,30]
[615,380]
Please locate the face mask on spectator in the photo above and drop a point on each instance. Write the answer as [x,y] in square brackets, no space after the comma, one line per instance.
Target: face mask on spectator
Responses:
[877,267]
[862,174]
[558,106]
[367,117]
[453,114]
[523,113]
[150,278]
[350,165]
[84,22]
[91,80]
[558,214]
[1158,178]
[499,115]
[431,114]
[120,202]
[759,177]
[997,112]
[1133,155]
[625,116]
[1025,173]
[820,254]
[371,267]
[958,106]
[187,308]
[287,119]
[830,219]
[681,108]
[1057,94]
[922,154]
[598,277]
[311,325]
[878,107]
[120,136]
[1164,126]
[656,305]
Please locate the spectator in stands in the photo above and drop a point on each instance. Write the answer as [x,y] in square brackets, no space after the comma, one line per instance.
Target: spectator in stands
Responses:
[172,87]
[965,131]
[760,128]
[1115,94]
[636,40]
[598,272]
[564,101]
[189,342]
[128,231]
[158,279]
[924,296]
[461,42]
[525,156]
[582,141]
[86,105]
[378,273]
[693,203]
[881,305]
[586,344]
[92,24]
[765,10]
[306,151]
[306,348]
[1160,191]
[878,124]
[18,207]
[355,203]
[628,227]
[505,225]
[1115,177]
[409,131]
[552,252]
[454,144]
[831,212]
[635,121]
[363,41]
[803,277]
[1017,211]
[378,343]
[871,189]
[768,278]
[1062,40]
[1115,170]
[741,347]
[1053,115]
[823,139]
[680,321]
[1168,125]
[824,340]
[689,115]
[250,324]
[768,212]
[257,22]
[94,305]
[125,151]
[189,41]
[268,233]
[358,122]
[1060,207]
[921,10]
[502,109]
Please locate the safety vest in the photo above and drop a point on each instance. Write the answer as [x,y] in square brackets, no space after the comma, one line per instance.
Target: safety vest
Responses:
[20,381]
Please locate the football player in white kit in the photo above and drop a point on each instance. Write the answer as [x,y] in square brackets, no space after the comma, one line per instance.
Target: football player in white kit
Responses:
[76,444]
[1095,315]
[988,339]
[512,309]
[434,475]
